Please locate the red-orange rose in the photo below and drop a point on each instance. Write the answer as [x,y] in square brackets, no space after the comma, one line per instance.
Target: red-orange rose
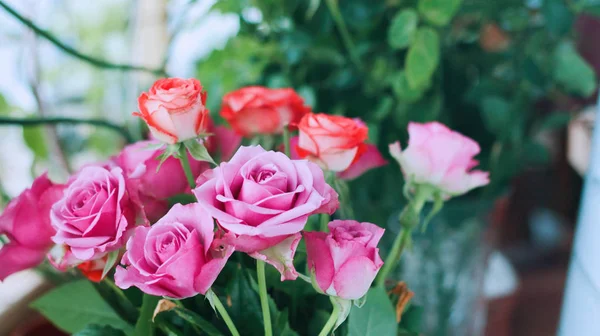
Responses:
[260,110]
[174,109]
[333,142]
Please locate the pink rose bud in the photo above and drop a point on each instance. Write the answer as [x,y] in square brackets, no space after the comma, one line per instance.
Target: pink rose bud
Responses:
[333,142]
[177,257]
[26,224]
[174,109]
[345,261]
[260,110]
[265,199]
[440,157]
[95,213]
[153,186]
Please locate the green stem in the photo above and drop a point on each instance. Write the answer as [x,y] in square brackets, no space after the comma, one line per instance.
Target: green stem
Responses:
[185,164]
[27,122]
[264,302]
[286,140]
[228,321]
[334,9]
[390,262]
[73,52]
[409,220]
[323,221]
[331,322]
[144,325]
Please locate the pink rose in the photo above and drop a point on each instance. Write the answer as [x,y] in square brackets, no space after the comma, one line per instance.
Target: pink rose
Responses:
[26,224]
[333,142]
[174,109]
[345,261]
[260,110]
[441,158]
[177,257]
[265,199]
[95,213]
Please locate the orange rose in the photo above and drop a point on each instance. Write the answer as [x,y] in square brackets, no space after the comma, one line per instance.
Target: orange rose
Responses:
[333,142]
[260,110]
[174,109]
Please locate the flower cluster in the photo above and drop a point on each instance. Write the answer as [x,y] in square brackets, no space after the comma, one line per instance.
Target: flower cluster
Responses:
[118,214]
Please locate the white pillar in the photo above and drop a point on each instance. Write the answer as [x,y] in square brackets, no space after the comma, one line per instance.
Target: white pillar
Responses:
[581,303]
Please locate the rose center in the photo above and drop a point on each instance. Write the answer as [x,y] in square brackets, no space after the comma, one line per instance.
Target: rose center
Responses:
[264,176]
[341,234]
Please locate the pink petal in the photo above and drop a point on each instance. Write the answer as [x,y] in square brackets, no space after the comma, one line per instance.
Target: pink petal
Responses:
[372,158]
[353,279]
[281,256]
[319,260]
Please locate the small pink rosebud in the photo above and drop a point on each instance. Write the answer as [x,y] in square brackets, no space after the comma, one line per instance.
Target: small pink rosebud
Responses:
[441,158]
[345,261]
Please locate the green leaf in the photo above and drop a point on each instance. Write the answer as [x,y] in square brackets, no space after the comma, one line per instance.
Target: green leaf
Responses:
[403,28]
[110,262]
[99,330]
[404,91]
[198,321]
[36,141]
[422,58]
[375,318]
[74,305]
[438,12]
[557,16]
[198,151]
[245,302]
[572,71]
[496,114]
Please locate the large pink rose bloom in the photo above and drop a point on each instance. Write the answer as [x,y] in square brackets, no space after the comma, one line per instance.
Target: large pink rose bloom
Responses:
[440,157]
[177,257]
[94,214]
[265,199]
[26,223]
[345,261]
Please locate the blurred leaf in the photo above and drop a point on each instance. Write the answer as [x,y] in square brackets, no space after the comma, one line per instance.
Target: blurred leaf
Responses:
[572,71]
[74,305]
[438,12]
[496,114]
[422,58]
[534,153]
[241,62]
[403,28]
[318,321]
[403,90]
[99,330]
[376,317]
[308,94]
[198,151]
[558,17]
[554,121]
[384,108]
[412,319]
[197,320]
[35,139]
[4,107]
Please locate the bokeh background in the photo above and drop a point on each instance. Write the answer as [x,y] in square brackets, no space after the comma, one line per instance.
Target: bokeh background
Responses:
[511,74]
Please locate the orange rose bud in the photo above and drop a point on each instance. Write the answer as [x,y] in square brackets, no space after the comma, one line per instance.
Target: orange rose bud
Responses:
[333,142]
[174,109]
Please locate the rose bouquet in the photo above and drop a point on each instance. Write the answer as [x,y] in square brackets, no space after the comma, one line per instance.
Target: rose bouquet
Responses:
[190,232]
